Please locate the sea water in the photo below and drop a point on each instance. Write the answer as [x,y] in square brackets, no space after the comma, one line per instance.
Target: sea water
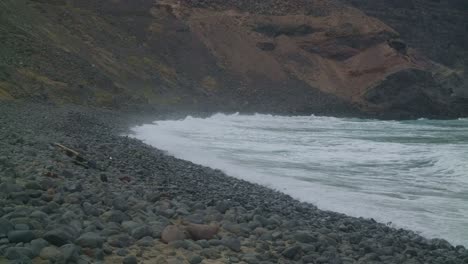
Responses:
[410,174]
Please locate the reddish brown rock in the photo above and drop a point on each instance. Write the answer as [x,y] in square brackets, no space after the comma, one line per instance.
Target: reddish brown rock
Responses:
[172,233]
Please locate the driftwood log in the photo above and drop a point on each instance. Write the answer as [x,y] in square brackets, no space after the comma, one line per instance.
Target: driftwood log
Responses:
[78,158]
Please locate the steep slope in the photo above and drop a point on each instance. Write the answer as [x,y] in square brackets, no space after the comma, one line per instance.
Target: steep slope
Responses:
[271,56]
[437,28]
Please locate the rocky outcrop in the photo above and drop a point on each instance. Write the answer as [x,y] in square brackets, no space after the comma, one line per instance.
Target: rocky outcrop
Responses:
[421,94]
[274,56]
[436,28]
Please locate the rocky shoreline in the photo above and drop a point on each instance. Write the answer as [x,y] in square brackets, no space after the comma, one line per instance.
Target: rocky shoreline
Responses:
[117,200]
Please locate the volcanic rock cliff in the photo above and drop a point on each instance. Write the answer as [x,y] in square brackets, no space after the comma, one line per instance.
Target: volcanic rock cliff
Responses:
[297,56]
[438,29]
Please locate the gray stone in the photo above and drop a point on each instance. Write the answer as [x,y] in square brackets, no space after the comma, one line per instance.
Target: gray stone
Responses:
[130,260]
[18,253]
[254,224]
[5,227]
[89,209]
[310,258]
[440,243]
[72,187]
[211,253]
[304,237]
[274,220]
[111,229]
[120,204]
[308,248]
[182,211]
[121,240]
[107,249]
[67,174]
[122,252]
[47,183]
[262,220]
[223,206]
[75,226]
[203,243]
[215,242]
[114,216]
[130,225]
[157,228]
[199,232]
[69,216]
[415,261]
[90,240]
[4,241]
[21,227]
[195,260]
[50,253]
[21,197]
[59,237]
[197,218]
[232,243]
[153,197]
[37,245]
[103,177]
[69,252]
[266,236]
[18,236]
[327,240]
[34,193]
[140,232]
[146,242]
[83,259]
[72,198]
[51,207]
[251,258]
[236,229]
[386,251]
[6,188]
[291,252]
[99,254]
[30,223]
[24,260]
[180,244]
[174,260]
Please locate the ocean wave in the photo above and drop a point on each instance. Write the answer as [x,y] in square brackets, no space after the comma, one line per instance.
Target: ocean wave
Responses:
[339,164]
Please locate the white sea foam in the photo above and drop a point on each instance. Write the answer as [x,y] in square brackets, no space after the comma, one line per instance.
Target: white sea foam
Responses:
[411,173]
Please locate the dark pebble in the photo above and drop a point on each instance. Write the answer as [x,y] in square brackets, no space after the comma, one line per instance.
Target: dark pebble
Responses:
[130,260]
[18,236]
[291,252]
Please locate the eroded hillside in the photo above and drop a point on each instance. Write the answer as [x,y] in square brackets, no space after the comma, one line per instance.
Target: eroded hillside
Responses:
[269,56]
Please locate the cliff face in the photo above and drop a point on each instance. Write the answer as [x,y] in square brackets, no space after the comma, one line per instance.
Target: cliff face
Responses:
[271,56]
[439,29]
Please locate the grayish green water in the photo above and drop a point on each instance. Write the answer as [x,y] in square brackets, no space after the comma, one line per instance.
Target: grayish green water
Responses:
[411,173]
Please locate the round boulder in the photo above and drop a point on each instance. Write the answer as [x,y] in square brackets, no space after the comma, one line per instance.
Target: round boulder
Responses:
[18,236]
[199,232]
[172,233]
[50,253]
[90,240]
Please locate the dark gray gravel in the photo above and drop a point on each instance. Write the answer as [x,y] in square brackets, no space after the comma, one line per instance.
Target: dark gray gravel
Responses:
[119,203]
